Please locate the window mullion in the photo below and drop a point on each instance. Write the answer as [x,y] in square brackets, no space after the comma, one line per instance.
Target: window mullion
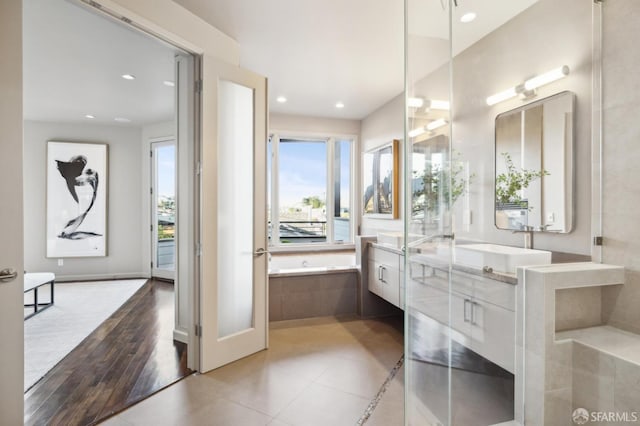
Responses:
[329,191]
[275,191]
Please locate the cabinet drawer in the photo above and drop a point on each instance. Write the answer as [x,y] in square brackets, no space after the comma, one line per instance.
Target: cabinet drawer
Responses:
[374,285]
[391,284]
[493,333]
[384,256]
[485,289]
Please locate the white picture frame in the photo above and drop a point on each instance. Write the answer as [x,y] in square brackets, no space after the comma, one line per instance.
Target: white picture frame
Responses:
[77,177]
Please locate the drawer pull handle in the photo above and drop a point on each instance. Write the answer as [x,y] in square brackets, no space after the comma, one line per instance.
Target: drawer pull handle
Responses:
[473,312]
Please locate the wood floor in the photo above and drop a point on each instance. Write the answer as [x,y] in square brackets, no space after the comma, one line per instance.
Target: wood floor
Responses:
[129,357]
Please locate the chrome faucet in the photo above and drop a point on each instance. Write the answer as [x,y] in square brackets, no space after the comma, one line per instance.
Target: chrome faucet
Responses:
[528,236]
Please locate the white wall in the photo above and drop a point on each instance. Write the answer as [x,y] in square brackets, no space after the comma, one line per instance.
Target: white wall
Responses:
[507,57]
[306,124]
[562,37]
[621,130]
[124,228]
[379,128]
[171,21]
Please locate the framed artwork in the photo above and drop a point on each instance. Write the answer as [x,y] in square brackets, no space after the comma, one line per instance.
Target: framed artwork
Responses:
[77,176]
[380,178]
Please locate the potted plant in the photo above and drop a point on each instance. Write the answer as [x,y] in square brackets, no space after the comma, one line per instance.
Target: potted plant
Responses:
[509,185]
[438,185]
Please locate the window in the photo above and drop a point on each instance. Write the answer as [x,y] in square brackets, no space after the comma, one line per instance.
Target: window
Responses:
[310,191]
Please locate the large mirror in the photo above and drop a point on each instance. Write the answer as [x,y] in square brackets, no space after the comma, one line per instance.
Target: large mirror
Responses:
[534,166]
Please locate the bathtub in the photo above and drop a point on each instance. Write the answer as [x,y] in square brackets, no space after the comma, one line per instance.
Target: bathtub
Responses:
[312,263]
[312,285]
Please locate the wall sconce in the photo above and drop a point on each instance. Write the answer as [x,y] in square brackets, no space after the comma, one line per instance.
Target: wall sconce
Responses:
[429,103]
[428,128]
[528,88]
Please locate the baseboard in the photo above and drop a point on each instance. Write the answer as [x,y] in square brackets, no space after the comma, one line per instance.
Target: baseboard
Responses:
[102,277]
[181,336]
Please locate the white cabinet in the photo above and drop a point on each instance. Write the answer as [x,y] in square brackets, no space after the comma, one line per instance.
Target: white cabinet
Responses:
[480,311]
[385,275]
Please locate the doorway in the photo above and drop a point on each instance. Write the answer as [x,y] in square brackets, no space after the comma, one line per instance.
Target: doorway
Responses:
[163,208]
[131,91]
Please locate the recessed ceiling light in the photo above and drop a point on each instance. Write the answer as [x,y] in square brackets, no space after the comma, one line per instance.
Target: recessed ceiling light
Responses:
[169,83]
[89,116]
[122,120]
[281,99]
[128,76]
[339,105]
[468,17]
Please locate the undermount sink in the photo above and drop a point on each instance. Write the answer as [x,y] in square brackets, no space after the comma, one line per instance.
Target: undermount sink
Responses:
[499,258]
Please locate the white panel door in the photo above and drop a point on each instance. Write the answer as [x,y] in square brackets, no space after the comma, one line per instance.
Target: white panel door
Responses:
[11,242]
[233,296]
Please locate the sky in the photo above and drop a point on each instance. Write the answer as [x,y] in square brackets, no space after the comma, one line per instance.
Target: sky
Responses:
[165,157]
[303,171]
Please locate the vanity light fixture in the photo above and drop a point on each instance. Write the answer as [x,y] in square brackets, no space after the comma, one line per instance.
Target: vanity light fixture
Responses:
[128,76]
[339,105]
[467,17]
[435,124]
[415,102]
[546,78]
[429,103]
[437,104]
[428,128]
[502,96]
[169,83]
[90,116]
[527,89]
[281,99]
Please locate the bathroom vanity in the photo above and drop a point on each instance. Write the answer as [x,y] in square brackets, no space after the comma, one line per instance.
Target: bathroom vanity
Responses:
[482,316]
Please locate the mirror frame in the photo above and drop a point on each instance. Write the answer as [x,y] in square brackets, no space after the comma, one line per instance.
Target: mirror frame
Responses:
[395,182]
[570,169]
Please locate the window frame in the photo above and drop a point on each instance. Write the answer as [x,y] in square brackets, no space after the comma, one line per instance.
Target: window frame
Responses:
[275,136]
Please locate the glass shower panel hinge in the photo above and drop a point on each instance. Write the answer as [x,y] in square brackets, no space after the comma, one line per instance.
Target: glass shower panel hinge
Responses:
[597,241]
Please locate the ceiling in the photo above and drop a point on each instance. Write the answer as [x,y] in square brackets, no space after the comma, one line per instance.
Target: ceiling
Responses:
[315,53]
[73,63]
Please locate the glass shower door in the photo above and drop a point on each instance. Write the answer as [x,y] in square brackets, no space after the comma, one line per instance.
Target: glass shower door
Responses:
[472,356]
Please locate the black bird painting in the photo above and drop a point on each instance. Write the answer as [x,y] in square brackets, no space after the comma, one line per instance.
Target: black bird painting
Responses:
[74,174]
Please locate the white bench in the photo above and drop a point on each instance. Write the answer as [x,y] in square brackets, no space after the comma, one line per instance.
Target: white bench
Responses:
[32,282]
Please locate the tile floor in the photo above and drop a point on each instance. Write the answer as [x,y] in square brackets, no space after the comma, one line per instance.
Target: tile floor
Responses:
[321,372]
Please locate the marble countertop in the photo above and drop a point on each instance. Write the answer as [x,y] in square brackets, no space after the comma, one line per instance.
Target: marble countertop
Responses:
[431,259]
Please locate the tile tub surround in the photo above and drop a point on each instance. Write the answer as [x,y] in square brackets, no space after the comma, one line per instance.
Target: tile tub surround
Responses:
[544,369]
[313,293]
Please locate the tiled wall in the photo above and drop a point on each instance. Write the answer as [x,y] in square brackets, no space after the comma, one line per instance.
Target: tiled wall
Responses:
[604,383]
[621,130]
[307,296]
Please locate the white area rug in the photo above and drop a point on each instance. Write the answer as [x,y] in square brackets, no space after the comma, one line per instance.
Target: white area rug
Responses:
[79,309]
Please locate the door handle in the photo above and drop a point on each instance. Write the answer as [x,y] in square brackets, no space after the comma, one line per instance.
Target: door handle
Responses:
[8,274]
[259,252]
[381,274]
